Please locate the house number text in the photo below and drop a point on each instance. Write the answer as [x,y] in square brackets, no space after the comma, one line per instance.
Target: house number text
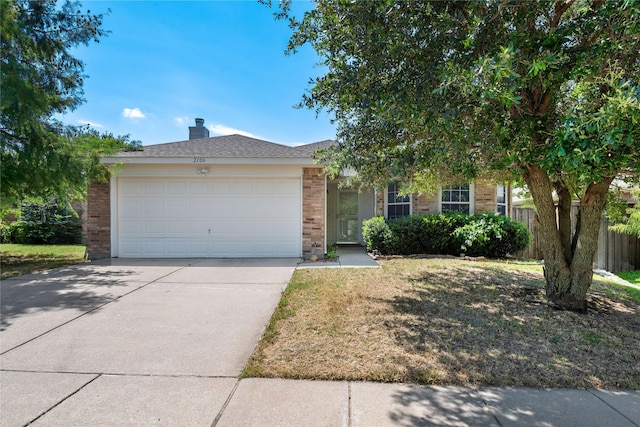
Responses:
[199,160]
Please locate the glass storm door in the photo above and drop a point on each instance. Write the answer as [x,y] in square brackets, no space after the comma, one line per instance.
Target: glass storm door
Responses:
[347,216]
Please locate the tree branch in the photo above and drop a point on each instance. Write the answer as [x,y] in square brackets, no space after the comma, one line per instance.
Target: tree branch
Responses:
[559,9]
[564,219]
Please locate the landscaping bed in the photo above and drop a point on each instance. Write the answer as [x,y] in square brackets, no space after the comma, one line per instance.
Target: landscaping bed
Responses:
[449,322]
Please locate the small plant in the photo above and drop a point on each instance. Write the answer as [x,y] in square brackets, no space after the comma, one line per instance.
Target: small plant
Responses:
[332,253]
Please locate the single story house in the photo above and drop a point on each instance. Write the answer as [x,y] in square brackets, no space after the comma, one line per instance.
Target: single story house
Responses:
[235,196]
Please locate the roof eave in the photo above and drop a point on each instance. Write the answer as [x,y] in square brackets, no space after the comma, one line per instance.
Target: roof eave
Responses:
[210,160]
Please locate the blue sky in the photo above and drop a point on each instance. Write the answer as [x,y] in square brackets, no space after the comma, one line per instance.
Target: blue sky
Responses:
[167,62]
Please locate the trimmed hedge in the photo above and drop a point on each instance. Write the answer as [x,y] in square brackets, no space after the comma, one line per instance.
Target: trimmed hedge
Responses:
[485,234]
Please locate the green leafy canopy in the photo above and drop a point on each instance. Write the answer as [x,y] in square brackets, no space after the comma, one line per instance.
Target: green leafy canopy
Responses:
[450,90]
[41,79]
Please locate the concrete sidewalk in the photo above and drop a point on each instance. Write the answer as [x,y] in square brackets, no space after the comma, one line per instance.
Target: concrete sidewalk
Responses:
[112,400]
[272,402]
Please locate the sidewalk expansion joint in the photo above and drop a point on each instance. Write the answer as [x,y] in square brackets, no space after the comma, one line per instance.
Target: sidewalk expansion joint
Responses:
[216,420]
[64,399]
[488,408]
[614,408]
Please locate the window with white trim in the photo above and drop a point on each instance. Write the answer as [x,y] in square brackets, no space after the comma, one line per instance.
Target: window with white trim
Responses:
[397,205]
[456,199]
[501,207]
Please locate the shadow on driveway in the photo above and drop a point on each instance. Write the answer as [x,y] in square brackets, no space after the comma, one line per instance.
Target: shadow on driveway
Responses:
[57,290]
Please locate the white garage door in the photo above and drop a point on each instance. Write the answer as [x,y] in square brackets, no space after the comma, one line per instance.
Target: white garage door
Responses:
[209,218]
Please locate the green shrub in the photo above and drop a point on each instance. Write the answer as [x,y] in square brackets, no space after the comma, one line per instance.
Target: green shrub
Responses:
[486,234]
[5,232]
[439,237]
[378,236]
[51,222]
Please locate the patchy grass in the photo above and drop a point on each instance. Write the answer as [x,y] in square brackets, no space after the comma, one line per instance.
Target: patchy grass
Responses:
[449,322]
[631,276]
[16,260]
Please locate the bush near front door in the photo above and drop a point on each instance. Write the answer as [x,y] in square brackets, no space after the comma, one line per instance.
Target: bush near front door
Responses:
[451,233]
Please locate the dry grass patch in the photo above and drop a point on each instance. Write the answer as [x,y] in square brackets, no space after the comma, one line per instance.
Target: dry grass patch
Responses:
[448,321]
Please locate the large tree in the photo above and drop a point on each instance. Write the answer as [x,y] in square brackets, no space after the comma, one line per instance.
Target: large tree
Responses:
[446,91]
[40,79]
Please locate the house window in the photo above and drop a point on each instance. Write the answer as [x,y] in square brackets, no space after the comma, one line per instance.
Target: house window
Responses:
[397,205]
[502,200]
[456,199]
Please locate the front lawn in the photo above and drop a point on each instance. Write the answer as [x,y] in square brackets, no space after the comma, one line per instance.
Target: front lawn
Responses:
[16,260]
[449,322]
[631,276]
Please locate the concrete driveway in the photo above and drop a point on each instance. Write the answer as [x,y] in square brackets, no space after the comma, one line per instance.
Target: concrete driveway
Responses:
[132,341]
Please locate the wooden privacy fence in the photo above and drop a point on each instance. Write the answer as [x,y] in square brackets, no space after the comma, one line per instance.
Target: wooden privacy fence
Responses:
[616,251]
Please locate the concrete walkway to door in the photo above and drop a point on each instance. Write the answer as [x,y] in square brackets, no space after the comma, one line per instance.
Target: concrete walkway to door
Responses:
[136,342]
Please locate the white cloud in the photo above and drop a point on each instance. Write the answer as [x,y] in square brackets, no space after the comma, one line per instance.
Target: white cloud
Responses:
[225,130]
[89,123]
[181,121]
[133,113]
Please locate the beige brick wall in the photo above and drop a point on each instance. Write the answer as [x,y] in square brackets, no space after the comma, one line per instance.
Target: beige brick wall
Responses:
[313,205]
[423,204]
[99,221]
[486,198]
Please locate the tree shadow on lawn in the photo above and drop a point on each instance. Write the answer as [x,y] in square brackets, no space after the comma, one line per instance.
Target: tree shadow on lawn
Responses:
[57,290]
[490,327]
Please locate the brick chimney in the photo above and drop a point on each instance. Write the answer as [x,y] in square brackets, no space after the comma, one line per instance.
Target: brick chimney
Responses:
[198,131]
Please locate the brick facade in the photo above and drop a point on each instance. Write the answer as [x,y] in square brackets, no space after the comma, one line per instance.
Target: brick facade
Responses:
[313,214]
[486,198]
[99,221]
[422,204]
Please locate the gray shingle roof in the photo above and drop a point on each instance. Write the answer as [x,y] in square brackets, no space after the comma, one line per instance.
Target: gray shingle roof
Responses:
[309,149]
[228,146]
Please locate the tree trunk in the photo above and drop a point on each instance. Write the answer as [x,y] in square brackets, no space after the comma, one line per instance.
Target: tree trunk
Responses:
[568,262]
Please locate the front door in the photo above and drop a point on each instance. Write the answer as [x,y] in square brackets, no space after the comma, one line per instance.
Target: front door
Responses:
[347,216]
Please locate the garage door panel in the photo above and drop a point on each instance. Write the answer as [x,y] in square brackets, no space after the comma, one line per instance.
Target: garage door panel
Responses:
[130,208]
[154,187]
[131,227]
[240,188]
[199,204]
[176,227]
[176,248]
[154,227]
[195,228]
[267,188]
[287,187]
[131,188]
[179,188]
[153,248]
[175,209]
[209,217]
